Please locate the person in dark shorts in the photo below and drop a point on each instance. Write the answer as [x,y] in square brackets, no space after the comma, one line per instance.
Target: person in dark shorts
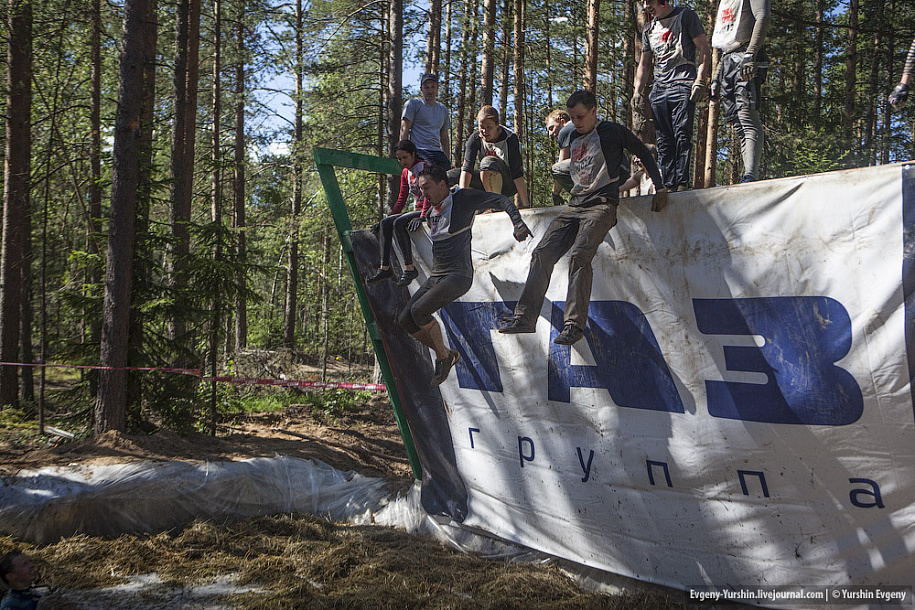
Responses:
[498,151]
[450,222]
[740,28]
[397,225]
[596,150]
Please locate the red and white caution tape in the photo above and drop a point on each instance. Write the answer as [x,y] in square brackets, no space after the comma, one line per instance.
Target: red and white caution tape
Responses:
[327,385]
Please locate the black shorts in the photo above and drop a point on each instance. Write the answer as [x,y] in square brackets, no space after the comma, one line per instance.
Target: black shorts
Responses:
[435,293]
[737,94]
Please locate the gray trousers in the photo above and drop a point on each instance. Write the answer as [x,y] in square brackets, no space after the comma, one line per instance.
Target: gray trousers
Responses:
[578,231]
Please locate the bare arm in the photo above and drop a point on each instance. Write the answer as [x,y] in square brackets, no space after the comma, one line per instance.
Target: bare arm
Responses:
[704,57]
[644,72]
[565,153]
[405,126]
[464,181]
[446,142]
[522,192]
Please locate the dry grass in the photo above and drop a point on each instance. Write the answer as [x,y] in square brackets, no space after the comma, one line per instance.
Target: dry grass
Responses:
[301,561]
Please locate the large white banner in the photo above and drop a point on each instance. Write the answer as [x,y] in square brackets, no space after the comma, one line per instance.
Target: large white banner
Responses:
[740,412]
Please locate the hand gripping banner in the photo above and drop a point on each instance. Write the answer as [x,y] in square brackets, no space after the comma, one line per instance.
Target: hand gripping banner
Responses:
[740,411]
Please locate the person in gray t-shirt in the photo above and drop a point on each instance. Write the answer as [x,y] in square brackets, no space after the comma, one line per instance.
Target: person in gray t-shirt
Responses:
[427,123]
[675,57]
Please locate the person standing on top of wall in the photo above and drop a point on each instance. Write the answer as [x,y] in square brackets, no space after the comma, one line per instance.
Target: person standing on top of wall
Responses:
[675,53]
[427,122]
[740,29]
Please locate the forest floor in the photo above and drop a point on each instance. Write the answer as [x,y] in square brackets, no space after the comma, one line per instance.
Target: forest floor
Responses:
[289,560]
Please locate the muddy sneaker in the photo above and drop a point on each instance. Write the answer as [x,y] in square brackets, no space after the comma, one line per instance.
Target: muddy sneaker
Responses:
[408,276]
[569,335]
[382,274]
[515,326]
[443,367]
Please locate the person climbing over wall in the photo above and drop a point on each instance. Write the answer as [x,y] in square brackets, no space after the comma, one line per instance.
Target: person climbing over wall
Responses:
[450,221]
[398,226]
[596,149]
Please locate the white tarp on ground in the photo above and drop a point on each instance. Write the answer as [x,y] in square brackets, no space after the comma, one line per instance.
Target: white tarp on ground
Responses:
[45,505]
[741,412]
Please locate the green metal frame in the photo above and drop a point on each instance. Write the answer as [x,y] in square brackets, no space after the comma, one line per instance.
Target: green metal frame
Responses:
[326,160]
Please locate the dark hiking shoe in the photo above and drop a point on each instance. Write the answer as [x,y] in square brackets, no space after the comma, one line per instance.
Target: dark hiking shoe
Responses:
[557,200]
[443,367]
[408,276]
[382,274]
[569,335]
[515,327]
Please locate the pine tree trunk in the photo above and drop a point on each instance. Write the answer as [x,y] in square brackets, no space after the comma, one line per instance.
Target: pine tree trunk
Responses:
[591,46]
[507,26]
[94,193]
[519,69]
[141,267]
[292,263]
[187,69]
[818,66]
[851,65]
[434,42]
[548,59]
[489,28]
[711,138]
[110,410]
[17,184]
[216,212]
[238,183]
[462,91]
[873,96]
[395,90]
[446,87]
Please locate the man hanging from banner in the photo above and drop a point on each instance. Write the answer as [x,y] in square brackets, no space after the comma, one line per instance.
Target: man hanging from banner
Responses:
[901,93]
[675,54]
[740,29]
[450,220]
[596,150]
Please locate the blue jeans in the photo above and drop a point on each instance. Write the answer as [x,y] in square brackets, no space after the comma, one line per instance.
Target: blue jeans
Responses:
[435,157]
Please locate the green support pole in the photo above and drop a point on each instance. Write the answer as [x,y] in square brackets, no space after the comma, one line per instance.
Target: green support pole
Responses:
[326,159]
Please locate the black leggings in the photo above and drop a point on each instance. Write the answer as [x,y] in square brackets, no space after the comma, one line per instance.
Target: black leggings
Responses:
[396,226]
[435,293]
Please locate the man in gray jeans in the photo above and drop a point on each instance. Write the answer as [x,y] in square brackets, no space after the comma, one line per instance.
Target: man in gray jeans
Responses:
[596,150]
[740,29]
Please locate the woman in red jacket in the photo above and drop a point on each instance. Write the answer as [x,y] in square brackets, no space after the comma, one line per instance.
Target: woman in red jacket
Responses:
[399,225]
